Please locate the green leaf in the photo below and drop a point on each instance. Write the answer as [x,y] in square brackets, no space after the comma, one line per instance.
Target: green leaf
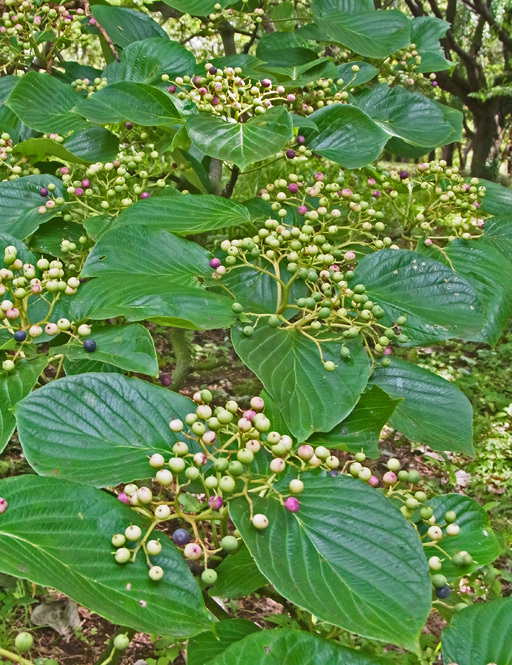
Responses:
[351,79]
[480,635]
[282,647]
[145,61]
[56,533]
[95,144]
[346,135]
[433,411]
[348,557]
[238,576]
[48,238]
[407,115]
[345,6]
[497,199]
[475,536]
[197,7]
[186,214]
[141,103]
[241,143]
[164,303]
[125,26]
[156,275]
[98,429]
[373,34]
[129,347]
[14,387]
[490,273]
[498,232]
[288,364]
[426,31]
[439,303]
[20,201]
[41,149]
[202,649]
[73,367]
[361,429]
[46,104]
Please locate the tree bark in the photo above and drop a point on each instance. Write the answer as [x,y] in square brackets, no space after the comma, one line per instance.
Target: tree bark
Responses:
[486,134]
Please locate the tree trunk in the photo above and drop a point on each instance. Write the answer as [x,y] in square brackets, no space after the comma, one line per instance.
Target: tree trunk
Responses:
[486,133]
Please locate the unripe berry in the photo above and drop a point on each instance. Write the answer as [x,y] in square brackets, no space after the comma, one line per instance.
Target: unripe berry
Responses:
[176,425]
[389,478]
[121,642]
[260,521]
[192,473]
[253,445]
[162,512]
[245,456]
[277,465]
[157,461]
[453,530]
[144,495]
[176,464]
[180,448]
[133,532]
[227,484]
[84,330]
[434,533]
[156,573]
[450,516]
[118,540]
[434,563]
[123,555]
[257,403]
[130,489]
[209,576]
[438,581]
[393,464]
[305,452]
[261,422]
[296,486]
[23,642]
[229,543]
[365,474]
[154,547]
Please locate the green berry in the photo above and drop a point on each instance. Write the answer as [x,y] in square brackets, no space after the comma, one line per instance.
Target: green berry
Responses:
[209,576]
[133,532]
[450,516]
[329,366]
[229,543]
[426,512]
[156,573]
[274,321]
[123,555]
[23,642]
[245,456]
[118,540]
[154,547]
[438,581]
[296,486]
[192,473]
[393,464]
[211,482]
[227,484]
[360,457]
[235,468]
[237,308]
[121,642]
[414,477]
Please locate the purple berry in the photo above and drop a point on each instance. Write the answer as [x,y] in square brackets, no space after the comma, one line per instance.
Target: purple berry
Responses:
[292,504]
[43,191]
[165,379]
[86,184]
[171,89]
[215,263]
[181,537]
[444,591]
[290,154]
[128,124]
[301,140]
[376,194]
[333,473]
[293,187]
[434,84]
[215,502]
[215,101]
[79,191]
[404,175]
[212,71]
[145,195]
[266,83]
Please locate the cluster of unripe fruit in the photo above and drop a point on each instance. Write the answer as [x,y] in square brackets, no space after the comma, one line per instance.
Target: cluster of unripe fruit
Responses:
[213,459]
[19,284]
[23,20]
[12,166]
[401,66]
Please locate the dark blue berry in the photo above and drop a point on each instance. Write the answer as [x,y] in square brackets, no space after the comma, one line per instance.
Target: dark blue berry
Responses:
[20,336]
[443,592]
[333,473]
[43,191]
[89,345]
[290,154]
[181,537]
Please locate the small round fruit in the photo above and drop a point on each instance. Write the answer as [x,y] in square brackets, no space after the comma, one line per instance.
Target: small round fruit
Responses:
[360,457]
[443,592]
[245,456]
[154,547]
[426,512]
[452,530]
[209,576]
[23,642]
[20,336]
[438,581]
[118,540]
[156,461]
[133,532]
[8,365]
[450,516]
[260,521]
[434,563]
[84,330]
[296,486]
[192,473]
[227,484]
[176,464]
[235,468]
[192,551]
[123,555]
[393,464]
[229,543]
[181,537]
[89,345]
[414,476]
[162,512]
[121,642]
[435,533]
[164,477]
[156,573]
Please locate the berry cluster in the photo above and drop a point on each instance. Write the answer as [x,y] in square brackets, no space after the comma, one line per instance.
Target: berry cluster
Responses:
[30,26]
[226,452]
[20,287]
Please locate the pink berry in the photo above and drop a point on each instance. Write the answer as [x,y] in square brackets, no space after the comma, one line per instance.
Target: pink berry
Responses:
[349,256]
[64,170]
[389,478]
[293,187]
[374,481]
[215,263]
[124,498]
[292,504]
[215,502]
[257,403]
[3,505]
[249,415]
[371,181]
[86,184]
[145,195]
[376,194]
[346,193]
[302,210]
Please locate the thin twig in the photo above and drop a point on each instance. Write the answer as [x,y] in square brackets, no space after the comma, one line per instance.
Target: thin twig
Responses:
[102,31]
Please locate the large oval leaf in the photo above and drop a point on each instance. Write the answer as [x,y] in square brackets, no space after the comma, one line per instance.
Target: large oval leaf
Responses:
[57,534]
[433,410]
[346,135]
[46,104]
[348,556]
[438,302]
[277,647]
[125,26]
[129,347]
[20,201]
[145,61]
[288,364]
[480,635]
[13,387]
[238,576]
[126,100]
[185,214]
[241,143]
[98,429]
